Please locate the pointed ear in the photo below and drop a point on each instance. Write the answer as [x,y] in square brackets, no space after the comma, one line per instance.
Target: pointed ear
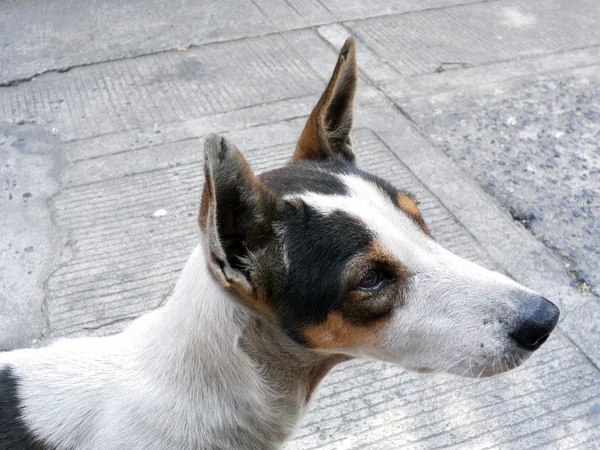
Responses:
[327,133]
[236,214]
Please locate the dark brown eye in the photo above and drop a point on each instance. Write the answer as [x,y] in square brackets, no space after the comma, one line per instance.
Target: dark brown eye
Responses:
[371,280]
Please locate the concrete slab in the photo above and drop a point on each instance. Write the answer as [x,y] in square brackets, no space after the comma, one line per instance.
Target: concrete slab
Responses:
[39,36]
[30,242]
[160,89]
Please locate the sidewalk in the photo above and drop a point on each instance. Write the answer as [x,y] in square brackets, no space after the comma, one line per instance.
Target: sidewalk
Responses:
[102,112]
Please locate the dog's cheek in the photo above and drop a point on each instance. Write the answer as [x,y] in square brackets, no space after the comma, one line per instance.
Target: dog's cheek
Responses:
[337,332]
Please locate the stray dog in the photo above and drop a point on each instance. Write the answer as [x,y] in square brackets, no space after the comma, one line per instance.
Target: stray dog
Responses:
[299,268]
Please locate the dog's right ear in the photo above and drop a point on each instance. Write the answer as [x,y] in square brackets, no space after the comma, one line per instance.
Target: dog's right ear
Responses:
[326,134]
[236,214]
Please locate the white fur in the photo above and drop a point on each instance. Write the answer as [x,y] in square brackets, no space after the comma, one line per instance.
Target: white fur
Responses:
[177,378]
[455,314]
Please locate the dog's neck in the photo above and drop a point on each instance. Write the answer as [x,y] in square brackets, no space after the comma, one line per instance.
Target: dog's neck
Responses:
[207,343]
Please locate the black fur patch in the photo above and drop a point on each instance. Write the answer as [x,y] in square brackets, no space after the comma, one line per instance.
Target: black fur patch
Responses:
[318,249]
[305,177]
[14,434]
[320,177]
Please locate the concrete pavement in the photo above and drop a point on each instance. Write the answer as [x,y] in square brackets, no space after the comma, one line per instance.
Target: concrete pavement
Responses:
[487,110]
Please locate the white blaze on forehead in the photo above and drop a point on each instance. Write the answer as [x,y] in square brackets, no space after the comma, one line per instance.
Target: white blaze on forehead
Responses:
[364,200]
[378,212]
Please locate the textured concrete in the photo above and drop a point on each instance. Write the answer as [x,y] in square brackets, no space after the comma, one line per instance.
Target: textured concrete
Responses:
[39,36]
[486,110]
[30,242]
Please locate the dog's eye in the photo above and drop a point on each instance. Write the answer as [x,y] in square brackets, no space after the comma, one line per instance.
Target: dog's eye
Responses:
[371,280]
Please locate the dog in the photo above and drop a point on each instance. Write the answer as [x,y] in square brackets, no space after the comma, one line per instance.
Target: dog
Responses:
[298,269]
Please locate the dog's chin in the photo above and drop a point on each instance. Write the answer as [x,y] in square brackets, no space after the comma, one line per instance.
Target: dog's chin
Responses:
[484,366]
[491,365]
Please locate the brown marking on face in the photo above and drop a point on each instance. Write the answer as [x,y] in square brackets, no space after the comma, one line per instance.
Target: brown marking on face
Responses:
[409,205]
[376,255]
[338,332]
[362,315]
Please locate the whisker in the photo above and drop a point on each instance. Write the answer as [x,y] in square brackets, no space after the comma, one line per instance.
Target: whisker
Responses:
[481,373]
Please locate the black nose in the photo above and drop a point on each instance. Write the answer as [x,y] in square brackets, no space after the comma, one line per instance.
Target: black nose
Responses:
[537,319]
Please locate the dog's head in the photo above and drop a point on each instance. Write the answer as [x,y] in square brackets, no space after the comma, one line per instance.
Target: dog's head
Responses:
[343,262]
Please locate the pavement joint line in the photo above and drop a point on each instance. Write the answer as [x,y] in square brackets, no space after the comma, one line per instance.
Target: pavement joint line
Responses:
[342,21]
[190,122]
[529,58]
[129,150]
[58,70]
[290,119]
[544,73]
[108,324]
[67,247]
[158,169]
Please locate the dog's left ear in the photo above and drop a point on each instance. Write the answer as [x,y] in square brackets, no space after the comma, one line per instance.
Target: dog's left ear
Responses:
[326,134]
[236,214]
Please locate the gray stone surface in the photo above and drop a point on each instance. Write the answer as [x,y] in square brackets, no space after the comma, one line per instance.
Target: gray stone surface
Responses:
[40,36]
[30,242]
[112,132]
[160,89]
